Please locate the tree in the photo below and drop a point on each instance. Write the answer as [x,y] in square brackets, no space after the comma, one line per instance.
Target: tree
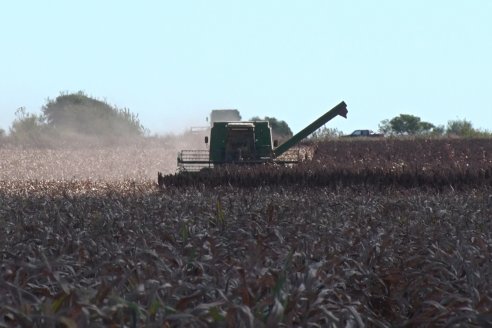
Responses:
[405,124]
[326,133]
[2,136]
[439,130]
[79,113]
[385,127]
[464,128]
[460,128]
[27,128]
[280,129]
[426,127]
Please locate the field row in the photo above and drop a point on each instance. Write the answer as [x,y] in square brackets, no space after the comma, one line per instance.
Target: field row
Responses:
[124,253]
[417,152]
[399,162]
[379,164]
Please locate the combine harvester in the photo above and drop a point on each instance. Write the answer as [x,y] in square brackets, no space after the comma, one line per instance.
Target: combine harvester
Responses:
[247,143]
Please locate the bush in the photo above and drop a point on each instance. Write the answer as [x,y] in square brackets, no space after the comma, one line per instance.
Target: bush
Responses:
[464,128]
[81,114]
[326,133]
[406,124]
[75,119]
[2,137]
[28,128]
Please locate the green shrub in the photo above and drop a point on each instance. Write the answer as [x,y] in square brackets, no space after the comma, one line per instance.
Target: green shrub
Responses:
[81,114]
[464,128]
[28,128]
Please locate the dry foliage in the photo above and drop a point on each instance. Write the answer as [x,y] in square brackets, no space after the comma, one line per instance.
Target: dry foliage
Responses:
[140,160]
[380,164]
[106,252]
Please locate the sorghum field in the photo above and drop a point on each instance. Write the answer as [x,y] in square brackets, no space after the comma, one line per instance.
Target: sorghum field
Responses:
[376,233]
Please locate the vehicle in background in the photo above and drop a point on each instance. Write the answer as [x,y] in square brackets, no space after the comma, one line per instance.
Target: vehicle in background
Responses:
[364,133]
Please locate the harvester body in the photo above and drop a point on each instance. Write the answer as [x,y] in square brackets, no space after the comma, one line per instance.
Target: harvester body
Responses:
[239,142]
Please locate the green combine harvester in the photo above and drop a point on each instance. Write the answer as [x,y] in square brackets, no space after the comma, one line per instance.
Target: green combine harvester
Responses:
[248,143]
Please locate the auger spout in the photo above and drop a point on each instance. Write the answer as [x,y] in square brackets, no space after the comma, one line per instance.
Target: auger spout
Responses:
[340,109]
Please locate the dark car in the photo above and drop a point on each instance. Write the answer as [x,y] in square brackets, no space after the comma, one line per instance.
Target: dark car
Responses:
[364,133]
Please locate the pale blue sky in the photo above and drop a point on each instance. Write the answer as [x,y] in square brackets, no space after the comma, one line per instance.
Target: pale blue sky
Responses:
[173,61]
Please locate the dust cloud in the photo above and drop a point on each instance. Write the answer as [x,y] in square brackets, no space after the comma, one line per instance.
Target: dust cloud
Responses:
[77,157]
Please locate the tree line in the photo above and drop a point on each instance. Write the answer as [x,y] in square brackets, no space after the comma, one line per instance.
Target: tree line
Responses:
[406,124]
[74,115]
[411,125]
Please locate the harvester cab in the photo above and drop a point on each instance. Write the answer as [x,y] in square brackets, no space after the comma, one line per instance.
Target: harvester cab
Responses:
[240,142]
